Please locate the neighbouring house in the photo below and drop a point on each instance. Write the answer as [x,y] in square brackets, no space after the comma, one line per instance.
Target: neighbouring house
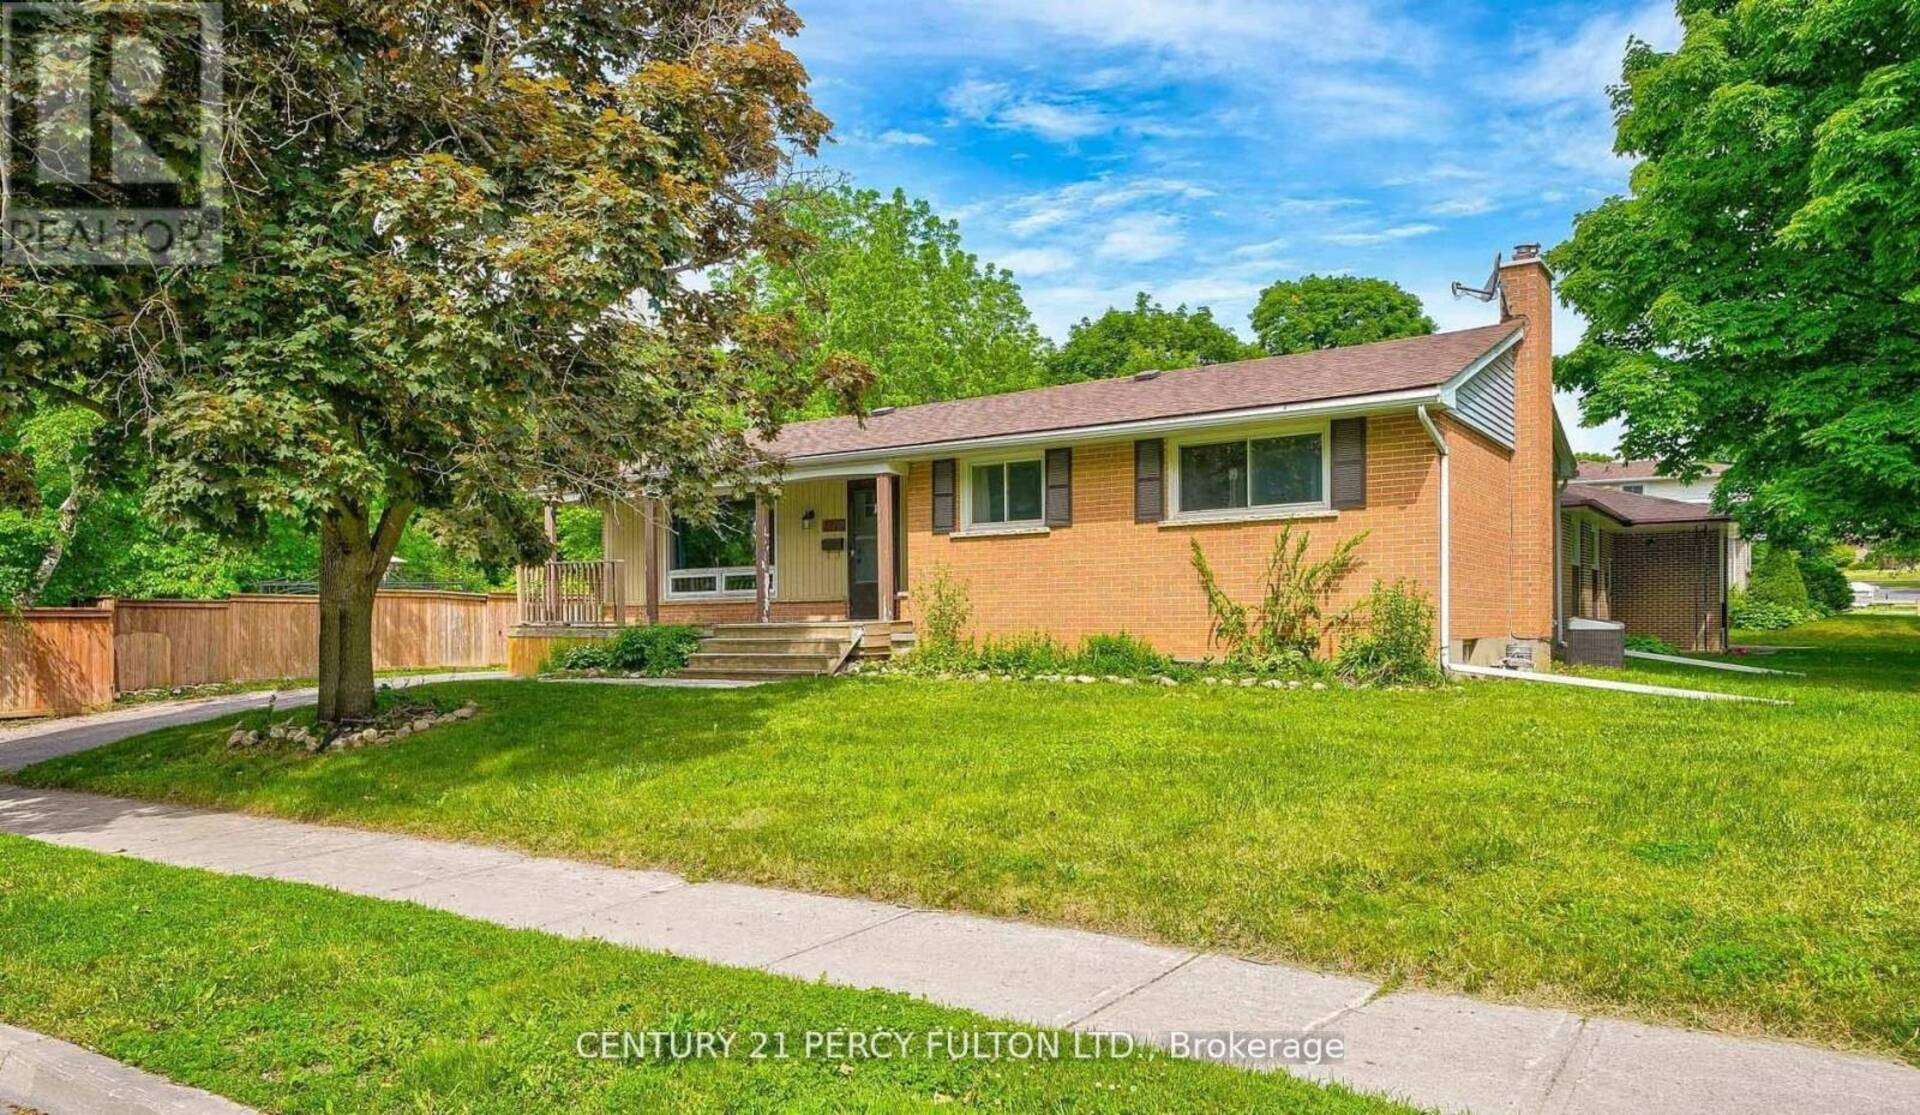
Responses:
[1071,510]
[1644,477]
[1656,566]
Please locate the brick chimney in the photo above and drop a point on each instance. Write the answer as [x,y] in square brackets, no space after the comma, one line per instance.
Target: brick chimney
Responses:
[1526,292]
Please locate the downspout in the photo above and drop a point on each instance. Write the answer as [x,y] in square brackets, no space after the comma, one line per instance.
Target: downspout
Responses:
[1560,573]
[1446,539]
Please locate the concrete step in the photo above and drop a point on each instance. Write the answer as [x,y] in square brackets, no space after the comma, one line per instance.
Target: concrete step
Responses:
[815,663]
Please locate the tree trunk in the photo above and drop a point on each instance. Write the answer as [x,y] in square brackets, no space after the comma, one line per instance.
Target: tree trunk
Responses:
[353,561]
[67,522]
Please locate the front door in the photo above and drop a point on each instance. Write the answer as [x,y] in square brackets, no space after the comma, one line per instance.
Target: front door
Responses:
[863,550]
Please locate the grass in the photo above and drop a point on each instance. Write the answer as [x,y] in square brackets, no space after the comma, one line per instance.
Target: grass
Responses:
[1885,576]
[293,998]
[1741,867]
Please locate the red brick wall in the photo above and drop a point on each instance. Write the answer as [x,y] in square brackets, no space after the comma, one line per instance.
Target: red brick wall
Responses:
[1480,485]
[1671,585]
[1106,573]
[1528,294]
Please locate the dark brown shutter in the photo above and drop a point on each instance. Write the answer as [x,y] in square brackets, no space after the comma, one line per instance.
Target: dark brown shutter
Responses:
[943,496]
[1059,487]
[1149,481]
[1348,485]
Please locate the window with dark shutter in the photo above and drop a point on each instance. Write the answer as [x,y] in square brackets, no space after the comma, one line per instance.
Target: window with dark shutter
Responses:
[943,502]
[1059,487]
[1348,486]
[1149,481]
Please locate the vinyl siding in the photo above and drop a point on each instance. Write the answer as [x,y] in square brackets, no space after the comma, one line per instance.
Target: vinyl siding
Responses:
[1486,400]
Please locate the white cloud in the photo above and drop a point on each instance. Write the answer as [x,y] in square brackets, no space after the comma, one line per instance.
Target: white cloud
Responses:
[1366,238]
[1041,219]
[1216,33]
[1462,207]
[1264,248]
[1300,206]
[1060,122]
[975,98]
[1034,261]
[897,138]
[1141,238]
[1582,65]
[1051,115]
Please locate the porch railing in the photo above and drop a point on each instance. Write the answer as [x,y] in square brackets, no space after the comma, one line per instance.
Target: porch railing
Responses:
[571,594]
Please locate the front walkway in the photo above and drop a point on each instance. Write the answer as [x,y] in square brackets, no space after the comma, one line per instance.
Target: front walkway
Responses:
[43,1074]
[1435,1050]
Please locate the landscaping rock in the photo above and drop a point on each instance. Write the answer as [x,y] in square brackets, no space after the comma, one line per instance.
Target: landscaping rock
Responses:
[466,711]
[1249,683]
[422,724]
[1274,683]
[1167,681]
[1319,685]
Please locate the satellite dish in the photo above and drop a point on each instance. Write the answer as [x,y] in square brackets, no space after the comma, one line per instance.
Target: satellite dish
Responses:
[1487,294]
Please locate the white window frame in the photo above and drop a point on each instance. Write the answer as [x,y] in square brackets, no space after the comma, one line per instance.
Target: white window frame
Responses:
[719,573]
[1010,526]
[1321,506]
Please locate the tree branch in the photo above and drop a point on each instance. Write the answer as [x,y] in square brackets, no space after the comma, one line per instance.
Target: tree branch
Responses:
[68,395]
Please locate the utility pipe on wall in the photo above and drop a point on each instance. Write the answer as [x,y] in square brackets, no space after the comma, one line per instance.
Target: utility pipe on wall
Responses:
[1446,539]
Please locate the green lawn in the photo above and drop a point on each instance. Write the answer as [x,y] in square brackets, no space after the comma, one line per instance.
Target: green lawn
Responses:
[293,998]
[1885,576]
[1743,867]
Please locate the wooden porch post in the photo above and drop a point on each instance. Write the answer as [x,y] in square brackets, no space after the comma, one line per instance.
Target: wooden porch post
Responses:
[762,560]
[550,599]
[651,512]
[883,523]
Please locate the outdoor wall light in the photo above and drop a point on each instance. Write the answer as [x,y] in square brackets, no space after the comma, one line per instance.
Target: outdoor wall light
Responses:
[806,521]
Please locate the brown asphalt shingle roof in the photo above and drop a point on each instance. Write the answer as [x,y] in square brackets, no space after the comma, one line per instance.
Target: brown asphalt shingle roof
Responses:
[1404,365]
[1633,510]
[1645,468]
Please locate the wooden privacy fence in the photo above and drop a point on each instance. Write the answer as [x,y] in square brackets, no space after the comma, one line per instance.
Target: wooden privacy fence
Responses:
[55,660]
[60,660]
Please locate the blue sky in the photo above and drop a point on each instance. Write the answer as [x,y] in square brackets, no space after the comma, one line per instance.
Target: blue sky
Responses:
[1201,149]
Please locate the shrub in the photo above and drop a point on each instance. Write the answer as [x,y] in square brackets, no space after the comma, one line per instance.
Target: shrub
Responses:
[944,612]
[1651,644]
[1776,580]
[651,651]
[1019,654]
[1121,655]
[583,656]
[1827,585]
[1397,648]
[1294,616]
[1761,615]
[655,651]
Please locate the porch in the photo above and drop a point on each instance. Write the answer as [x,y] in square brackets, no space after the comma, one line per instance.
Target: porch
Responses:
[822,561]
[1652,566]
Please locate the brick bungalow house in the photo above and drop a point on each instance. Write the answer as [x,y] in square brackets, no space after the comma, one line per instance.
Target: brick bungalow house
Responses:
[1070,510]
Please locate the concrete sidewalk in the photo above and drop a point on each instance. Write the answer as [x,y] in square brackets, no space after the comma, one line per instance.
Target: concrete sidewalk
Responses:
[37,741]
[1442,1051]
[43,1074]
